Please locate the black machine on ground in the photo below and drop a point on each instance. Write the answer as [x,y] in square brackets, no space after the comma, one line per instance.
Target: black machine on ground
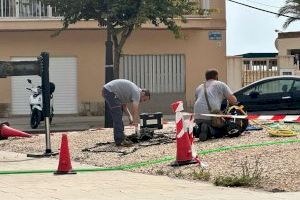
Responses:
[149,123]
[233,127]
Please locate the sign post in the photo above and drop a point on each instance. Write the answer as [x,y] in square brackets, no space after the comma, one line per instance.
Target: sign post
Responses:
[43,61]
[39,67]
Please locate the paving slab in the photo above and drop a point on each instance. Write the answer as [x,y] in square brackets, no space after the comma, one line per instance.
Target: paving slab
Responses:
[109,184]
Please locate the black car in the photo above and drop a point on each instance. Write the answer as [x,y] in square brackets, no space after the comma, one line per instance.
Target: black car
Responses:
[279,93]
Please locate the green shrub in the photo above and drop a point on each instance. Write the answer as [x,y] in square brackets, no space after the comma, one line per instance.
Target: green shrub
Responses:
[178,174]
[160,172]
[201,175]
[248,177]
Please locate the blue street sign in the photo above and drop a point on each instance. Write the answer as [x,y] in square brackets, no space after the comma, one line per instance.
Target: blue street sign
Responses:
[214,35]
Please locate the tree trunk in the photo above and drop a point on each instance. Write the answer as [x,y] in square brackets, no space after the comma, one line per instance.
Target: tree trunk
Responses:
[118,46]
[117,56]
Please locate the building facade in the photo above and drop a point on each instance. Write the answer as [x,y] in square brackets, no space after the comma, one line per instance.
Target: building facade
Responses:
[288,46]
[152,58]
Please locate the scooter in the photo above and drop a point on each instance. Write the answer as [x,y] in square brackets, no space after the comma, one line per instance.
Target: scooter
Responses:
[36,104]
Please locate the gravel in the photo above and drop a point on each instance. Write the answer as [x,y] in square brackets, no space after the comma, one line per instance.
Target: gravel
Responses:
[278,163]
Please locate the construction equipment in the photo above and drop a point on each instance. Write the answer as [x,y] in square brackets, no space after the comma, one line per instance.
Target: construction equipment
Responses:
[235,126]
[149,122]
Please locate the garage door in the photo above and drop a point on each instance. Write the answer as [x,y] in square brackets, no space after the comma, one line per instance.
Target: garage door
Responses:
[63,73]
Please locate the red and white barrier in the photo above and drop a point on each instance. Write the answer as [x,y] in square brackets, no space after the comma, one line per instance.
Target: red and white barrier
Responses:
[185,154]
[286,118]
[191,136]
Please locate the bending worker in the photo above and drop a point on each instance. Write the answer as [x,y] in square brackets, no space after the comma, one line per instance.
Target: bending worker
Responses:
[210,100]
[118,93]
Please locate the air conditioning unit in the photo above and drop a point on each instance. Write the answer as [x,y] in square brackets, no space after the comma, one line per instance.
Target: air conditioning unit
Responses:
[287,72]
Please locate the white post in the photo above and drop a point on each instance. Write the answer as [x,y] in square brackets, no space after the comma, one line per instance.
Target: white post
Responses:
[17,8]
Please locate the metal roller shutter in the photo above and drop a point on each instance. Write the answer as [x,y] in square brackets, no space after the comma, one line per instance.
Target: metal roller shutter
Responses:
[163,75]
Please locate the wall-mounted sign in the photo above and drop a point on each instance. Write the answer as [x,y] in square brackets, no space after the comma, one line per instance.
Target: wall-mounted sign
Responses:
[214,35]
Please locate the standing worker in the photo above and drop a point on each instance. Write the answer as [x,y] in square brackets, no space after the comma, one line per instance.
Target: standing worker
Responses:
[118,93]
[209,97]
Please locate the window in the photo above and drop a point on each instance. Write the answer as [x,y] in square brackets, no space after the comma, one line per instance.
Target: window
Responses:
[275,86]
[296,86]
[287,73]
[24,9]
[7,8]
[205,4]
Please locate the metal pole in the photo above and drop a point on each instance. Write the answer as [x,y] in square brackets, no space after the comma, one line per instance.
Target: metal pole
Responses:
[109,75]
[46,98]
[48,141]
[46,104]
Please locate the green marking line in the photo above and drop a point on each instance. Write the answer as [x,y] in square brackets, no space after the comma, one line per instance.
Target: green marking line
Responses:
[157,161]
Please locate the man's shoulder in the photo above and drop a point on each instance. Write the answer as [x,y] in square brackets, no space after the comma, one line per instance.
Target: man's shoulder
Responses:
[219,82]
[199,87]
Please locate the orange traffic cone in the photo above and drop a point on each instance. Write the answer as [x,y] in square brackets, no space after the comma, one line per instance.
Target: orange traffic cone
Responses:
[184,154]
[6,131]
[64,166]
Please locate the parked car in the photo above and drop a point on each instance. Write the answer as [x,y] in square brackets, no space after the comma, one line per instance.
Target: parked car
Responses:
[278,93]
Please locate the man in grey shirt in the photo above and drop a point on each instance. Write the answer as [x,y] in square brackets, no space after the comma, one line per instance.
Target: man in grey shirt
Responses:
[118,93]
[217,91]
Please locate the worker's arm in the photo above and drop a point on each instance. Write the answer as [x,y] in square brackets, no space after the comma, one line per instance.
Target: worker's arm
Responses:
[125,108]
[135,113]
[232,100]
[229,95]
[196,93]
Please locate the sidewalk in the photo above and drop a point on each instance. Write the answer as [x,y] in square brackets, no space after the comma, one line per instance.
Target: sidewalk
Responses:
[64,123]
[59,123]
[109,184]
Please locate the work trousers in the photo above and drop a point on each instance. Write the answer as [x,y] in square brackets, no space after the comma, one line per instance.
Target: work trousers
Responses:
[212,131]
[115,108]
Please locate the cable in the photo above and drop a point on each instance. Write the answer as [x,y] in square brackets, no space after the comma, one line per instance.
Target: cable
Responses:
[263,4]
[278,14]
[275,130]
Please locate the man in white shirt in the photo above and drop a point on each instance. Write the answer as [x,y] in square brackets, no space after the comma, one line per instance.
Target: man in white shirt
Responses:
[217,91]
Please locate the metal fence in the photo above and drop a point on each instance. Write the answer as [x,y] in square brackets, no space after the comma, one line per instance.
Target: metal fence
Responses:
[254,70]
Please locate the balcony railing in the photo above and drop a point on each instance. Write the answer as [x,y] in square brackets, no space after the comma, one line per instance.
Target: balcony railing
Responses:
[25,9]
[35,9]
